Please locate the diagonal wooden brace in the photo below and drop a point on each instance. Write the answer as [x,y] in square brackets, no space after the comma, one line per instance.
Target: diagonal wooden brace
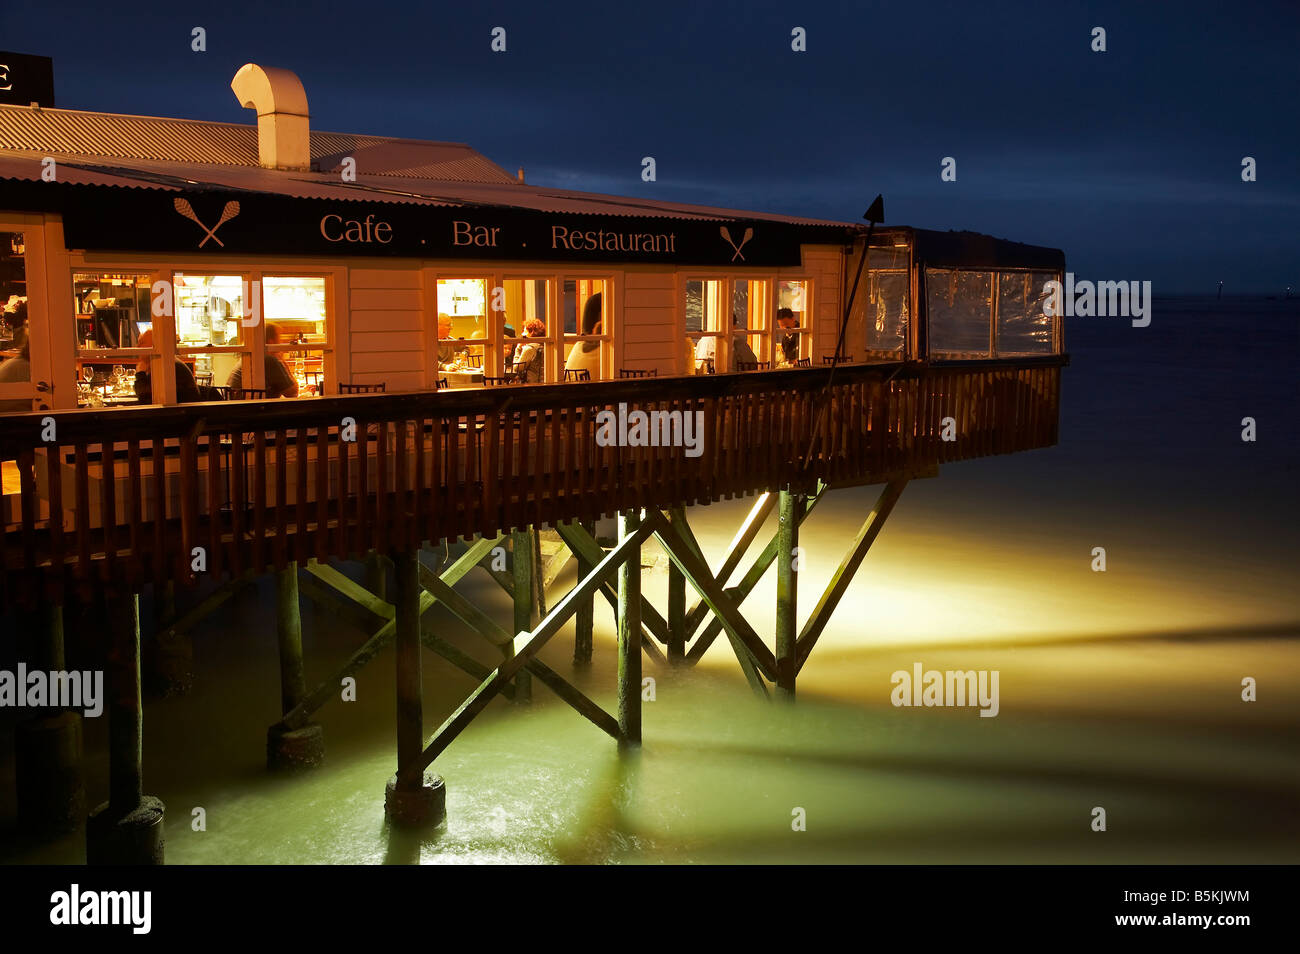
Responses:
[527,645]
[871,528]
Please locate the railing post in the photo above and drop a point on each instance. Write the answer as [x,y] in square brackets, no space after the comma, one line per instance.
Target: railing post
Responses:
[412,797]
[629,635]
[790,510]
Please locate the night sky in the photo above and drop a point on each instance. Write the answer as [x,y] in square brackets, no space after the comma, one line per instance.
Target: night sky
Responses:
[1130,160]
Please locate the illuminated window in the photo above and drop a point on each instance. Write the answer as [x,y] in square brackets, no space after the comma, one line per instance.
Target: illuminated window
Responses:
[114,340]
[793,319]
[706,318]
[751,347]
[15,364]
[959,308]
[1023,327]
[462,318]
[209,312]
[528,335]
[294,310]
[586,310]
[889,290]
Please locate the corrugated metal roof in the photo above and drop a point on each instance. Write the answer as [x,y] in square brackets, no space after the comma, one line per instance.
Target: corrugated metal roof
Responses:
[72,132]
[148,173]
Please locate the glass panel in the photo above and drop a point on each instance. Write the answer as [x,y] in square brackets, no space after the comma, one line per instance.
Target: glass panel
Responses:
[887,310]
[208,309]
[462,316]
[750,351]
[960,306]
[297,306]
[585,309]
[14,364]
[112,309]
[525,328]
[1023,328]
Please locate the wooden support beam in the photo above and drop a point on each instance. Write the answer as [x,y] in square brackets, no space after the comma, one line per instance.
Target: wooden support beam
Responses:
[336,605]
[288,630]
[871,528]
[585,620]
[205,608]
[378,607]
[460,659]
[589,552]
[566,691]
[697,572]
[629,635]
[410,692]
[464,609]
[125,705]
[377,575]
[787,591]
[522,553]
[747,583]
[677,635]
[527,645]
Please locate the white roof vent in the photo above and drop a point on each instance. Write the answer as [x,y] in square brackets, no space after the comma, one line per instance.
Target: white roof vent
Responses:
[283,128]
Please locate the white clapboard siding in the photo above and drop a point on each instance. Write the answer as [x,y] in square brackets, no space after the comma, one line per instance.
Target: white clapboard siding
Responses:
[386,327]
[822,264]
[649,329]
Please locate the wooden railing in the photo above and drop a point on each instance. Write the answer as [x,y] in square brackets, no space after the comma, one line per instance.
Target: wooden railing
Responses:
[133,495]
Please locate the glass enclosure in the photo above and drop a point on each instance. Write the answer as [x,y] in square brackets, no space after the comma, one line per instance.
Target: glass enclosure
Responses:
[982,314]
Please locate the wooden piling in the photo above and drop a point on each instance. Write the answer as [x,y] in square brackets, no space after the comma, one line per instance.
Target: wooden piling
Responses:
[302,747]
[128,828]
[48,775]
[412,798]
[585,616]
[521,545]
[790,513]
[410,692]
[629,635]
[377,574]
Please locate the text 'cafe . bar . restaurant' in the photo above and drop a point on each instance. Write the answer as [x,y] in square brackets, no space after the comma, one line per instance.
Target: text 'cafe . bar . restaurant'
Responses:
[280,261]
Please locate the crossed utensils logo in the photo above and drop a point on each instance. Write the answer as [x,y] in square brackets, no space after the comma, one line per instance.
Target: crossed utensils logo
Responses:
[726,234]
[231,210]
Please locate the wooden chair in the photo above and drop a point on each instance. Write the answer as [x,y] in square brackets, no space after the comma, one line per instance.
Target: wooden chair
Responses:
[704,364]
[830,359]
[638,373]
[315,379]
[474,361]
[753,365]
[495,382]
[803,363]
[362,388]
[203,380]
[443,384]
[242,394]
[577,374]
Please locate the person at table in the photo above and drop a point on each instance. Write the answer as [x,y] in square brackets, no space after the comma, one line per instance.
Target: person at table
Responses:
[530,360]
[187,389]
[788,349]
[280,382]
[707,348]
[585,355]
[18,368]
[447,350]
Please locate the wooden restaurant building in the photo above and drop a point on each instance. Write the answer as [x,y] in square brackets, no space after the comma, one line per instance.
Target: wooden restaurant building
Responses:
[499,319]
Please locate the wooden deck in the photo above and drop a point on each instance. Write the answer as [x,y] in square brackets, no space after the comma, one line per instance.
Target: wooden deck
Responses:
[259,485]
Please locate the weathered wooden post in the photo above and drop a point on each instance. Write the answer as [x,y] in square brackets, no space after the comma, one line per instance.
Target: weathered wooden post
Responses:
[47,749]
[304,747]
[377,574]
[585,616]
[629,635]
[521,546]
[128,829]
[677,602]
[790,512]
[169,656]
[412,797]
